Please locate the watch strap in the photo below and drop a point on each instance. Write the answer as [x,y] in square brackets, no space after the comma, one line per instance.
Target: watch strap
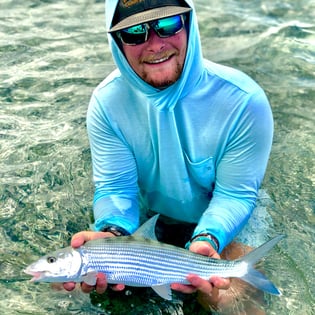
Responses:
[204,237]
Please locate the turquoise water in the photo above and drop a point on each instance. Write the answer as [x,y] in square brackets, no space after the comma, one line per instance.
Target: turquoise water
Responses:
[53,53]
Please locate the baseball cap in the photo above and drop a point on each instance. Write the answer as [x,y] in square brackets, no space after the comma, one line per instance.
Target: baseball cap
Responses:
[133,12]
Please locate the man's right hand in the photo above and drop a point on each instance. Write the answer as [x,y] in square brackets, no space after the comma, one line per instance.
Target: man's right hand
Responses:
[79,239]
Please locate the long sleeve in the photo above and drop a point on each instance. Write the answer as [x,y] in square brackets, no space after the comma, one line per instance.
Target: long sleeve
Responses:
[114,173]
[240,172]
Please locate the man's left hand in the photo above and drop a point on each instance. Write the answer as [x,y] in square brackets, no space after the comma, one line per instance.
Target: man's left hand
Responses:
[208,290]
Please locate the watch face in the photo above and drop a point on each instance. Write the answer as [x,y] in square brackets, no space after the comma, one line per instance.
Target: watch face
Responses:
[117,231]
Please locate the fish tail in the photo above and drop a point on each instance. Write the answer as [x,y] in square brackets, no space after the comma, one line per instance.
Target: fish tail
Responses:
[254,277]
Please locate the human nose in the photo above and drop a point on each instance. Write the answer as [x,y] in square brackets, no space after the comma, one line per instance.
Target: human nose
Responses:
[155,42]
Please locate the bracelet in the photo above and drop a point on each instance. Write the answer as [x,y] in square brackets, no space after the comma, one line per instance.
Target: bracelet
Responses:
[204,237]
[116,230]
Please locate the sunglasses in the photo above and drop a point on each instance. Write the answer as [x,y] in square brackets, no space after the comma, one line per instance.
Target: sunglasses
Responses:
[139,34]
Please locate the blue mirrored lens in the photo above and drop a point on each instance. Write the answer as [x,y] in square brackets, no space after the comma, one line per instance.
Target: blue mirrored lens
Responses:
[138,34]
[168,26]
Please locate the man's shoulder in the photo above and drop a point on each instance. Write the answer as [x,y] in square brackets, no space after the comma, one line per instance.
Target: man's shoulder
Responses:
[232,76]
[113,94]
[109,82]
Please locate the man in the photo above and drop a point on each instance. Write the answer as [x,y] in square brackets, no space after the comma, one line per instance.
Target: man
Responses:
[174,134]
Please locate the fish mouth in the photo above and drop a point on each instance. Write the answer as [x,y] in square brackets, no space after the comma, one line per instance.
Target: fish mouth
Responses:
[37,275]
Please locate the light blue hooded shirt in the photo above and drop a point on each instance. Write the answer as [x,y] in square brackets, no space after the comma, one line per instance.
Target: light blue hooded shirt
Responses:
[196,151]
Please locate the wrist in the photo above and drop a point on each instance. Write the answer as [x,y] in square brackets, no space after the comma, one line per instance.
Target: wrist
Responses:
[204,237]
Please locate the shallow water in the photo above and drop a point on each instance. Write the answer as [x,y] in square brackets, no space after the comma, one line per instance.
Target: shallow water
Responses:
[53,53]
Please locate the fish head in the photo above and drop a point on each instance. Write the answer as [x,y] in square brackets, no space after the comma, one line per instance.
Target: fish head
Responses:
[59,266]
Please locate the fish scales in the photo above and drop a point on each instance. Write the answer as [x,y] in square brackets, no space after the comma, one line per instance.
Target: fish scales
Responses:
[134,260]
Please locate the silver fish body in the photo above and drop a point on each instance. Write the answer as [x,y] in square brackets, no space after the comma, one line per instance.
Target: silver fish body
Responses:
[140,260]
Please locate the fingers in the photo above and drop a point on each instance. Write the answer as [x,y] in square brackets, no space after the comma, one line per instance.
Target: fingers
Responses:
[101,284]
[206,287]
[100,287]
[211,298]
[200,284]
[80,238]
[118,287]
[69,286]
[221,283]
[197,284]
[208,294]
[186,289]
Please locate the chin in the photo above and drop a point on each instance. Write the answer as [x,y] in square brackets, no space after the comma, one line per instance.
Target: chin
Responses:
[163,82]
[163,77]
[162,85]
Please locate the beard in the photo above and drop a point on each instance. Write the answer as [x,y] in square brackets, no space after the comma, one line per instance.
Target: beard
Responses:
[163,81]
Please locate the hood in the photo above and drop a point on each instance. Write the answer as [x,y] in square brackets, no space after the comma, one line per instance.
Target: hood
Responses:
[166,98]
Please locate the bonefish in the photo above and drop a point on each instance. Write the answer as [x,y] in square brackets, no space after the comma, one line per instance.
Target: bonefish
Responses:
[142,261]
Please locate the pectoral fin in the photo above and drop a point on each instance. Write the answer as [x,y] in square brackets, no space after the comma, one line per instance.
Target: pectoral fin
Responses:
[90,278]
[163,291]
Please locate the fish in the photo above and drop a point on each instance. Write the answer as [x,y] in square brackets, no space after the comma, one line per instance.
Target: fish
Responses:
[140,260]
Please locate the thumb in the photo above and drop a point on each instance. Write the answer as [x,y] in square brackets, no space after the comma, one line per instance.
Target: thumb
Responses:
[77,240]
[203,248]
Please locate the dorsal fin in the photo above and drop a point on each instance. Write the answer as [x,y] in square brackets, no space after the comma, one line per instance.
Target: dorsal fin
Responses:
[147,229]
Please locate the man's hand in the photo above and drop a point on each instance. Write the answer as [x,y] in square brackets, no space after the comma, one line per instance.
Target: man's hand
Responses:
[79,239]
[208,290]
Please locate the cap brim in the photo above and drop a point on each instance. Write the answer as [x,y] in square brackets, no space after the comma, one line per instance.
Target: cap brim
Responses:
[149,15]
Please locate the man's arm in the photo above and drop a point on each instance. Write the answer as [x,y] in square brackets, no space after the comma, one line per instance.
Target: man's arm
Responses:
[239,172]
[114,172]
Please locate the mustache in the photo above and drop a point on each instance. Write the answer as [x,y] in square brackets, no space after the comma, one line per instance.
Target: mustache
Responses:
[159,56]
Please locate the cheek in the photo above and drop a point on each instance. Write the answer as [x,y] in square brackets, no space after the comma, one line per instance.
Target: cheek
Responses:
[132,53]
[180,43]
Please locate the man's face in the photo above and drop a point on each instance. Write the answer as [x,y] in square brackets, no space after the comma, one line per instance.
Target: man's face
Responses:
[158,61]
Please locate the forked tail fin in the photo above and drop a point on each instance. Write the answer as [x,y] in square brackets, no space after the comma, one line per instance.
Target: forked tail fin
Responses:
[254,277]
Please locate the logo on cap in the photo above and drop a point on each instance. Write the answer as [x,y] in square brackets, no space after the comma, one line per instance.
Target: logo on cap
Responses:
[129,3]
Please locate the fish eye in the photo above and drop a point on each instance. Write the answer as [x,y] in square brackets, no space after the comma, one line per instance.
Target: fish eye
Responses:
[51,259]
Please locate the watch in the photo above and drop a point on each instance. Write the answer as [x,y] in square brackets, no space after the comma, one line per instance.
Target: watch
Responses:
[206,237]
[116,230]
